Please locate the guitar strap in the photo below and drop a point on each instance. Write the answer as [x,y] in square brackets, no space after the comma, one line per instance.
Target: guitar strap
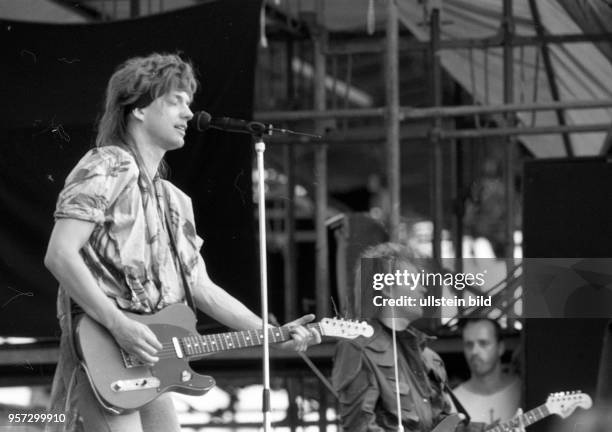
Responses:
[186,286]
[436,378]
[457,404]
[165,211]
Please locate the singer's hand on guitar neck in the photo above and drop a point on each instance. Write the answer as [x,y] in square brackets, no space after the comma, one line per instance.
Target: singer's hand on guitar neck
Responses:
[302,337]
[520,427]
[137,339]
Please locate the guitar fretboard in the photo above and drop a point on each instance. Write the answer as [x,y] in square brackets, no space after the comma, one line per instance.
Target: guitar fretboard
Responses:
[527,418]
[198,345]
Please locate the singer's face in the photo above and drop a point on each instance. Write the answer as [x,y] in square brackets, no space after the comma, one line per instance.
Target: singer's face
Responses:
[165,120]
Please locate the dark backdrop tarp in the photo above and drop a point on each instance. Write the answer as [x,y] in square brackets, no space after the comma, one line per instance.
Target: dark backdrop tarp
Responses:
[52,83]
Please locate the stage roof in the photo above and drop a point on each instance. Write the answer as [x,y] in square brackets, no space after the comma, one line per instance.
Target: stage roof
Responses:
[582,71]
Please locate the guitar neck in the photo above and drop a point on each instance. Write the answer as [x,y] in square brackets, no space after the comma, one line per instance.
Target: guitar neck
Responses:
[198,345]
[528,418]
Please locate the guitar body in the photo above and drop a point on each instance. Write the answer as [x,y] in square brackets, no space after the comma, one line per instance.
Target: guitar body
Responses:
[562,404]
[122,383]
[120,388]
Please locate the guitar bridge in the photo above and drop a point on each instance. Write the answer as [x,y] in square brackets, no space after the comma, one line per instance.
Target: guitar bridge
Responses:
[130,361]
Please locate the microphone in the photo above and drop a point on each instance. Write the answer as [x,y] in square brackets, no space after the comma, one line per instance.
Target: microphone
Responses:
[202,120]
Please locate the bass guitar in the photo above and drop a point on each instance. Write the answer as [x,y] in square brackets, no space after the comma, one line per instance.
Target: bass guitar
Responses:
[122,383]
[562,404]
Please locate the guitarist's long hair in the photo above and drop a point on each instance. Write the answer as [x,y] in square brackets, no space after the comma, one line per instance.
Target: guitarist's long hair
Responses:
[135,84]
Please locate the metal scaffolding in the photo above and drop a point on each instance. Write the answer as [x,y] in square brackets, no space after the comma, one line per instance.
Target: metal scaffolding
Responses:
[310,27]
[394,114]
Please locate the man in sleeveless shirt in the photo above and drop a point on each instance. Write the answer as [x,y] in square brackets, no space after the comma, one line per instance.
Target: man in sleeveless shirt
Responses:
[491,395]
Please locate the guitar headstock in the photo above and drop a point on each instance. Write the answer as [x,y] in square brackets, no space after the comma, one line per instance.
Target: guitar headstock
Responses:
[564,403]
[343,328]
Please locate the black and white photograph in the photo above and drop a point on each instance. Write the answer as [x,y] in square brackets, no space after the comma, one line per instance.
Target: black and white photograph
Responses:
[306,216]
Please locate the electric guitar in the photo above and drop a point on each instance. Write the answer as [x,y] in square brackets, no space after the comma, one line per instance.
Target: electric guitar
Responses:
[122,383]
[563,404]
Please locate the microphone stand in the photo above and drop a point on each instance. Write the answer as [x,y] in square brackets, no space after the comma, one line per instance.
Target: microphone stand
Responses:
[257,130]
[260,146]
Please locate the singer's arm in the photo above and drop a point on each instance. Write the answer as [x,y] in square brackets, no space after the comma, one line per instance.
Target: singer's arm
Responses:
[213,300]
[64,261]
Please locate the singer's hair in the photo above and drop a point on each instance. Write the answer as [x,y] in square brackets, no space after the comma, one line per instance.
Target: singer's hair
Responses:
[135,84]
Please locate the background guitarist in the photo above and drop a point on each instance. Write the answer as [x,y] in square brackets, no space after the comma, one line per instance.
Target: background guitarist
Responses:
[364,370]
[123,235]
[491,394]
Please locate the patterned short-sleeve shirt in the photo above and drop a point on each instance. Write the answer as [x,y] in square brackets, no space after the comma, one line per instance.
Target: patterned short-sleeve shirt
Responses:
[129,252]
